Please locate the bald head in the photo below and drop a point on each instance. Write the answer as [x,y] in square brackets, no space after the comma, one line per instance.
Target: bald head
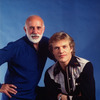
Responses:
[34,18]
[34,28]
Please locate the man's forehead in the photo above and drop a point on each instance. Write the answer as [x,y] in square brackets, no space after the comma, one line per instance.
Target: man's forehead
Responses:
[34,19]
[60,43]
[35,23]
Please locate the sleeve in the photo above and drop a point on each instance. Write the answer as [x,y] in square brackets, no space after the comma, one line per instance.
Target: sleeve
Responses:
[7,53]
[0,85]
[51,56]
[45,45]
[53,89]
[87,84]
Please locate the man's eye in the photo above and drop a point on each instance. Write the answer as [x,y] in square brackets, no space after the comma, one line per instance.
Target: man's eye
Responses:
[64,46]
[38,28]
[31,27]
[56,48]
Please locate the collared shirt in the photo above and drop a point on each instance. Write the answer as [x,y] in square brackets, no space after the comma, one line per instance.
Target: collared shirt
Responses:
[77,82]
[25,66]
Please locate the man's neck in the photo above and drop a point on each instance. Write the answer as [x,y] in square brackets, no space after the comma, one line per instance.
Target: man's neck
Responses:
[63,65]
[36,46]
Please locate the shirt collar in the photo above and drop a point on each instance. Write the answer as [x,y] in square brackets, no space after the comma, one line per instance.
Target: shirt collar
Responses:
[28,41]
[31,43]
[73,63]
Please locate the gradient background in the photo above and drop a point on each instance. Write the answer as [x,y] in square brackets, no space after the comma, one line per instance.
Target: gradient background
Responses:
[79,18]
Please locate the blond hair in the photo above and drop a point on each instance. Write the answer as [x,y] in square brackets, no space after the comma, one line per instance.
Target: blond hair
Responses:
[61,36]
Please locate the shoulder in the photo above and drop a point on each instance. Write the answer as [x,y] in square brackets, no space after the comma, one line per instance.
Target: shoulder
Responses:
[20,41]
[11,49]
[51,69]
[44,40]
[15,45]
[17,42]
[43,44]
[50,72]
[82,61]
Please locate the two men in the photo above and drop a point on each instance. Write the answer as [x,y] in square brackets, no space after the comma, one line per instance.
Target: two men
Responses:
[71,77]
[26,58]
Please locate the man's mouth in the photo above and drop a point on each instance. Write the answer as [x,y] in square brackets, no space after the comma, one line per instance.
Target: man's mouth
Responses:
[61,56]
[35,37]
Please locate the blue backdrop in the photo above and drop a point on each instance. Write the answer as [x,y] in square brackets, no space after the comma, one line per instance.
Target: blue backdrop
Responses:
[79,18]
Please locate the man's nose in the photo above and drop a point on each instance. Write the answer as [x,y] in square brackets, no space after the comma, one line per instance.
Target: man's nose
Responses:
[61,50]
[35,30]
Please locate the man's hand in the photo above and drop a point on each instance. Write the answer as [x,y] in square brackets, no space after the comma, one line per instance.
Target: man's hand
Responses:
[63,97]
[7,89]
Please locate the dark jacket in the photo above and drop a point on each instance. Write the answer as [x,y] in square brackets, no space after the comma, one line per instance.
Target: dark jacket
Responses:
[77,82]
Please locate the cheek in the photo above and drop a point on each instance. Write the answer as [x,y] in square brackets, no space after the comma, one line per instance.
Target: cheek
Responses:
[55,53]
[29,32]
[69,50]
[41,31]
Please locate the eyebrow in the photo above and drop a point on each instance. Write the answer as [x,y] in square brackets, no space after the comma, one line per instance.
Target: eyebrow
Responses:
[34,26]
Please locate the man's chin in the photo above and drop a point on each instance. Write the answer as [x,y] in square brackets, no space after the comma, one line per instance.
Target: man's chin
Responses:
[35,37]
[35,40]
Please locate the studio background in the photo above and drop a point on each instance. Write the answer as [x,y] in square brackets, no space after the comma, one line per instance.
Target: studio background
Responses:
[79,18]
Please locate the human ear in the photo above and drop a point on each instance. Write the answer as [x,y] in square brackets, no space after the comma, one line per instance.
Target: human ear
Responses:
[24,29]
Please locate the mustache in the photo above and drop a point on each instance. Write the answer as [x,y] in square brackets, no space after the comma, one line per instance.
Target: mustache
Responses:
[35,34]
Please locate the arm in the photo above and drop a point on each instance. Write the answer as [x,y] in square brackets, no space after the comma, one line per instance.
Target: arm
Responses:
[87,84]
[44,45]
[53,89]
[6,55]
[7,89]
